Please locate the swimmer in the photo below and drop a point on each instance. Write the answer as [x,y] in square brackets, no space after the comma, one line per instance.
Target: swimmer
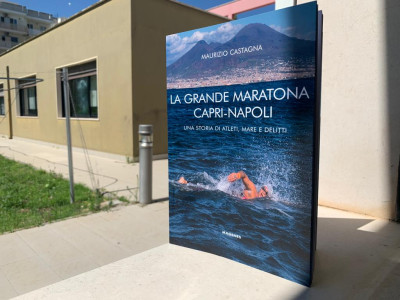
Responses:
[182,180]
[250,191]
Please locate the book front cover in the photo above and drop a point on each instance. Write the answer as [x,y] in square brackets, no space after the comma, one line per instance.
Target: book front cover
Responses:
[241,140]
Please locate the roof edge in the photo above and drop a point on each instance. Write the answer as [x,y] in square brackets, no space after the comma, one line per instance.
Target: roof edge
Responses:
[223,4]
[199,9]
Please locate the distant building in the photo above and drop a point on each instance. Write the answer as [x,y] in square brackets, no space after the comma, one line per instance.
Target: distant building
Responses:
[17,24]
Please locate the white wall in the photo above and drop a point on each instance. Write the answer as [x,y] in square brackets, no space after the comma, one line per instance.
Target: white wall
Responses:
[360,129]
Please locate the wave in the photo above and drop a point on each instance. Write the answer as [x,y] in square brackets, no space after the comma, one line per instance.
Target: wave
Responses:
[202,181]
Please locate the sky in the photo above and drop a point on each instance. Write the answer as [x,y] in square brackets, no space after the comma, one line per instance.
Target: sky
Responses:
[58,8]
[67,8]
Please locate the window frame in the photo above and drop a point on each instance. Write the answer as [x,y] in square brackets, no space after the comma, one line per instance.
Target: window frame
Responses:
[2,105]
[84,74]
[14,39]
[24,87]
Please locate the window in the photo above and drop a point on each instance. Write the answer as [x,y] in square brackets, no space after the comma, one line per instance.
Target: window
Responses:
[3,38]
[2,19]
[13,21]
[30,26]
[14,39]
[42,28]
[82,80]
[27,97]
[2,107]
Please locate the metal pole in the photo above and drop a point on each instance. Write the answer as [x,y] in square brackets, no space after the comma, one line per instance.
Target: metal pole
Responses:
[145,163]
[9,104]
[67,122]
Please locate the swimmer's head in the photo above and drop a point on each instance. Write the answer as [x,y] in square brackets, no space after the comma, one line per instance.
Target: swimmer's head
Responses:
[263,191]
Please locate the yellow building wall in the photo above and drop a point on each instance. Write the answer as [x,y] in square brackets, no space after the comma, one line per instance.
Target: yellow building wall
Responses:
[102,33]
[152,21]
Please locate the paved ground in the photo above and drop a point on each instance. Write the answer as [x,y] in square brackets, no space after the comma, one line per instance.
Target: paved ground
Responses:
[34,258]
[358,257]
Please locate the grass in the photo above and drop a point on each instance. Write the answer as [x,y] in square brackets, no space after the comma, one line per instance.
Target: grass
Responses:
[31,197]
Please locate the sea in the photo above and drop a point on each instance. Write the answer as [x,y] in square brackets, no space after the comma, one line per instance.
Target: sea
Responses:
[273,233]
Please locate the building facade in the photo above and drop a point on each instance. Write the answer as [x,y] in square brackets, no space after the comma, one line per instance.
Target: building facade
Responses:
[114,52]
[17,24]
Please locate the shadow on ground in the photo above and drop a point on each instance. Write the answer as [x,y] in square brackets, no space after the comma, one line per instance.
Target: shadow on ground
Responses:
[356,259]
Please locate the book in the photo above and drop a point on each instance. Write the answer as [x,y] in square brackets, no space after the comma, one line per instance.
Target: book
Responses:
[243,127]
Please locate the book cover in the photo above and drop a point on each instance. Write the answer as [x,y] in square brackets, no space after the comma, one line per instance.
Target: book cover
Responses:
[241,100]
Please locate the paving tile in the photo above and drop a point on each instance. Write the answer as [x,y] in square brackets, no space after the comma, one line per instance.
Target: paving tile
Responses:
[125,227]
[146,243]
[7,290]
[13,248]
[75,266]
[96,247]
[49,244]
[134,229]
[29,274]
[161,206]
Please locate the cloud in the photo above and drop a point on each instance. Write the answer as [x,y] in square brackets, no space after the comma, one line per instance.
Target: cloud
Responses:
[294,31]
[285,30]
[178,46]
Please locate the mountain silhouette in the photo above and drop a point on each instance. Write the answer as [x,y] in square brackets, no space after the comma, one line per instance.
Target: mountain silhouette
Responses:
[275,45]
[255,33]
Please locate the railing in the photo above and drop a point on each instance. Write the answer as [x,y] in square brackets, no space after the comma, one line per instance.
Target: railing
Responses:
[19,28]
[15,27]
[13,7]
[8,44]
[40,15]
[5,45]
[28,12]
[32,32]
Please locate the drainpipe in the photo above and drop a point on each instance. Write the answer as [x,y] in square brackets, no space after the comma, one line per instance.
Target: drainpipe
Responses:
[9,104]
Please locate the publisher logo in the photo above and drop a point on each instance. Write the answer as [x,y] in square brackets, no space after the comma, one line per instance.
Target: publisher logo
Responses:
[231,234]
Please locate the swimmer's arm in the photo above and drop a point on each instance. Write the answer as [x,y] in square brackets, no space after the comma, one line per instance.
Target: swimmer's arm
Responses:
[246,181]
